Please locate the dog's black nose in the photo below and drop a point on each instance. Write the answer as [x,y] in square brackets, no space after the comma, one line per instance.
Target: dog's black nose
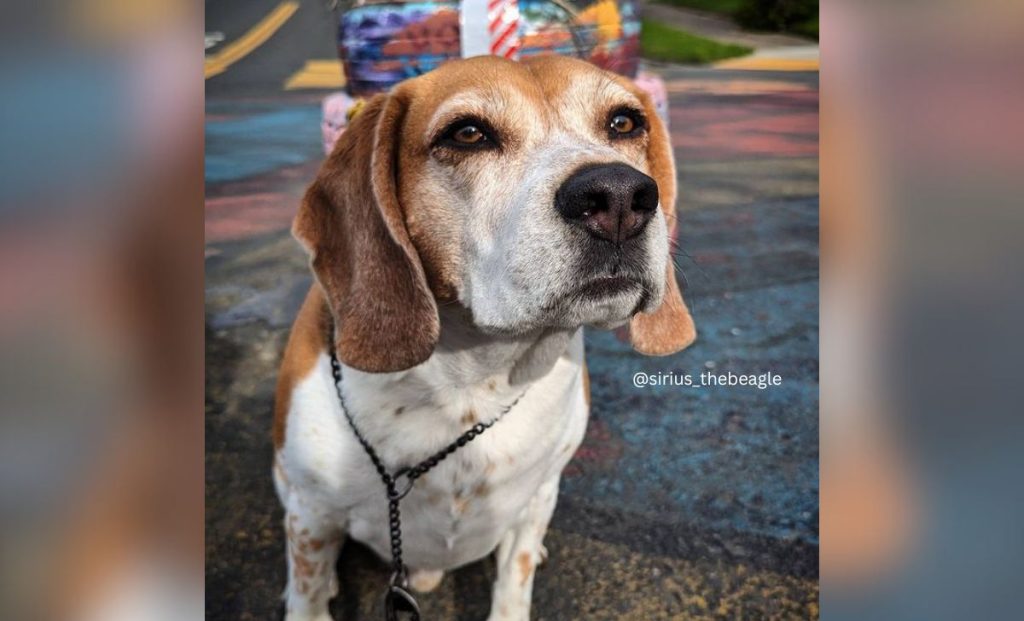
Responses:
[612,201]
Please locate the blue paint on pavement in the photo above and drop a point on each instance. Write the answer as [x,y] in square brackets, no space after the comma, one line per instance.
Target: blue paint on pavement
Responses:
[261,142]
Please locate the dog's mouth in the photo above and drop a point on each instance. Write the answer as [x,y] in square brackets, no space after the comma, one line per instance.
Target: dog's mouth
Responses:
[606,286]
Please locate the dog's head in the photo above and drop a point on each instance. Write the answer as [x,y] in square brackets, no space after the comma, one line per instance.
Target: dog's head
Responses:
[535,194]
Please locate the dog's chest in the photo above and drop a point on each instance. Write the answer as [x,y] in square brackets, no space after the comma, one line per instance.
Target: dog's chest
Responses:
[458,511]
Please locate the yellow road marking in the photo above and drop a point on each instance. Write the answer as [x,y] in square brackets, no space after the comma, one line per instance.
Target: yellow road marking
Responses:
[257,36]
[319,73]
[754,63]
[731,87]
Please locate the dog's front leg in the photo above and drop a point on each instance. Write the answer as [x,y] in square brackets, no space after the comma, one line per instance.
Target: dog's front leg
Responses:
[313,545]
[518,555]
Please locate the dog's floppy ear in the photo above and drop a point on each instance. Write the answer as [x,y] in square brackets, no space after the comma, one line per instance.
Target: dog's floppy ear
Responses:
[351,224]
[668,328]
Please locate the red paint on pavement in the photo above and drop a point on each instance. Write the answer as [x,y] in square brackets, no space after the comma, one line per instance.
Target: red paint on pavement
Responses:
[231,218]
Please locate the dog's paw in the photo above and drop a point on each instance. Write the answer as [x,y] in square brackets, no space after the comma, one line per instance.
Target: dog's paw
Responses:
[425,580]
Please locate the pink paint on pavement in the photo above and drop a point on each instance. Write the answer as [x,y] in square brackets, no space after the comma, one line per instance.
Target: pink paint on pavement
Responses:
[232,218]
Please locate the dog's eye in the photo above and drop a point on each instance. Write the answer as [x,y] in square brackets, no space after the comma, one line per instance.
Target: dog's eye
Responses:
[625,123]
[468,134]
[622,124]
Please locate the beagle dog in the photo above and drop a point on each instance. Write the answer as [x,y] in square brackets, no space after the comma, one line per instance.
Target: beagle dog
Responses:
[461,233]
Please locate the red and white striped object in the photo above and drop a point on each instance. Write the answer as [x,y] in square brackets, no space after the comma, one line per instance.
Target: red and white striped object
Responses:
[503,27]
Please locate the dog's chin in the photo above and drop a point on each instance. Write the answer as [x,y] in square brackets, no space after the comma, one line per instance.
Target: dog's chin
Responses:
[605,302]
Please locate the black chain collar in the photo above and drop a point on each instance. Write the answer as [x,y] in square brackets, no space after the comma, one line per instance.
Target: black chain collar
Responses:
[397,599]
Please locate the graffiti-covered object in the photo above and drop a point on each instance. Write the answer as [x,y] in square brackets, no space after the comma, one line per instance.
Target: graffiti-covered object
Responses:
[382,44]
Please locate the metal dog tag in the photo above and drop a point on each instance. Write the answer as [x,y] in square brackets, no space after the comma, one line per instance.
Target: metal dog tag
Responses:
[399,605]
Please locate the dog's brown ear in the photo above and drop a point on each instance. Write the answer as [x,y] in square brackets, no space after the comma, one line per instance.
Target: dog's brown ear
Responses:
[351,224]
[668,328]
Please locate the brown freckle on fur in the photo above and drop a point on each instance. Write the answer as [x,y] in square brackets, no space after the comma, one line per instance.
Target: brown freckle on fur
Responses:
[303,587]
[304,532]
[567,448]
[461,504]
[303,567]
[490,468]
[482,489]
[469,418]
[316,544]
[399,410]
[525,567]
[492,385]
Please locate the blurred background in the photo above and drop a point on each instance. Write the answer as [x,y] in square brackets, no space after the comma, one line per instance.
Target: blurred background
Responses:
[101,351]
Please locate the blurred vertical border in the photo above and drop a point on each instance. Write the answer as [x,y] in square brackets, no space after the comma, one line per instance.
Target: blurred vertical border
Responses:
[922,299]
[101,437]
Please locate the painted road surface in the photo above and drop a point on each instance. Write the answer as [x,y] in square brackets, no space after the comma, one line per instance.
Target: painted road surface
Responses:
[682,503]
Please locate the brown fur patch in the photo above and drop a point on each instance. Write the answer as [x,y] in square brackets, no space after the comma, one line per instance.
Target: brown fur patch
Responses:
[669,328]
[469,418]
[352,210]
[399,410]
[305,344]
[525,567]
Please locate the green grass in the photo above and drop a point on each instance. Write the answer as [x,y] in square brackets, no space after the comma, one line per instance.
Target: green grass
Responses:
[796,15]
[722,7]
[807,29]
[660,42]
